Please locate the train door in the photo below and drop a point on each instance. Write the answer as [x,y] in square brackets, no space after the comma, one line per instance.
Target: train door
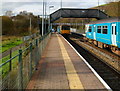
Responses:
[113,36]
[94,32]
[86,28]
[58,29]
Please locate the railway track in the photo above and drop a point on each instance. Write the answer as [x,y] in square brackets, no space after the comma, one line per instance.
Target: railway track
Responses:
[110,76]
[108,57]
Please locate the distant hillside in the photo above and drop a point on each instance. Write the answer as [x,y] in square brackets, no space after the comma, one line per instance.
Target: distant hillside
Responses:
[112,9]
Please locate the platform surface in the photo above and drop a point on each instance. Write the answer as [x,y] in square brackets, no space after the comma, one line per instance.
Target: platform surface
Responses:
[61,68]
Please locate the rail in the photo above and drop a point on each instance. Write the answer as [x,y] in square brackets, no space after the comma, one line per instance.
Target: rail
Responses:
[17,71]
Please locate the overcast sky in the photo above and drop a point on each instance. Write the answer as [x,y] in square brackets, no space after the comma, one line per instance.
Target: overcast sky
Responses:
[35,6]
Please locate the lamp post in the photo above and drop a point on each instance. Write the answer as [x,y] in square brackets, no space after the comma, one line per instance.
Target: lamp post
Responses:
[49,15]
[45,29]
[61,3]
[50,8]
[43,19]
[98,9]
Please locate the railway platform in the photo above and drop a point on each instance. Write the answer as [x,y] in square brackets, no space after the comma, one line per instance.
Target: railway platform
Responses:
[62,68]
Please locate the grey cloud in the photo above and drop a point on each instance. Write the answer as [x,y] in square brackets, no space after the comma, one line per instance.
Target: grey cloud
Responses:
[71,4]
[13,5]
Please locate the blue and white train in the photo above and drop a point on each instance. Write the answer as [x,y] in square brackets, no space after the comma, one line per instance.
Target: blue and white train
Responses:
[105,31]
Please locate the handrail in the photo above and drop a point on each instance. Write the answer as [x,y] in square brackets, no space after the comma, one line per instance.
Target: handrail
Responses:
[23,67]
[42,37]
[26,49]
[8,60]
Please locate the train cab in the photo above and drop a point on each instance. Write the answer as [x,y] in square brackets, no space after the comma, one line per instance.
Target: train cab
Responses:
[64,29]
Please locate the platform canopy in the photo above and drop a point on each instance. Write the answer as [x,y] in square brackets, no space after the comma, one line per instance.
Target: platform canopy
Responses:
[77,13]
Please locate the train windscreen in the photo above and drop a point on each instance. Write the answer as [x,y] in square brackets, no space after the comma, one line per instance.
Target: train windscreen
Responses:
[65,27]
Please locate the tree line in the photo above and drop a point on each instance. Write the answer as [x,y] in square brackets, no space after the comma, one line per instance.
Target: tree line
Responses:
[19,25]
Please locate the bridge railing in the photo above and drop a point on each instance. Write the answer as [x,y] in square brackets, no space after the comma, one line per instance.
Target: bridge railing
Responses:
[17,75]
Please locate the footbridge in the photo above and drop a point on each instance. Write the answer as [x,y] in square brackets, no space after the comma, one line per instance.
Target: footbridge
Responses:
[77,13]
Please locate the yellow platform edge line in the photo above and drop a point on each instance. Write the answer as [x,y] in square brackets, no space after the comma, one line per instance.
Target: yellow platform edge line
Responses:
[73,78]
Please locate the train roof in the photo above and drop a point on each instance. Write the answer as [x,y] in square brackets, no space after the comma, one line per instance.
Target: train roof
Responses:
[109,20]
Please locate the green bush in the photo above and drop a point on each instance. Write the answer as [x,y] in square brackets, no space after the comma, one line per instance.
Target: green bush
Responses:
[7,26]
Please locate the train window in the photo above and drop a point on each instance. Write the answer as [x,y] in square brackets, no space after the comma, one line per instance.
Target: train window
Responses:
[65,27]
[90,29]
[105,29]
[112,29]
[115,30]
[99,29]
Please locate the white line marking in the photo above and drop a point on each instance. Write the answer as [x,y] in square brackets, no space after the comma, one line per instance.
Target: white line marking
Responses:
[96,74]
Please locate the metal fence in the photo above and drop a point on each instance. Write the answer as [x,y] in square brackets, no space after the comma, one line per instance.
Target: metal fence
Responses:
[17,71]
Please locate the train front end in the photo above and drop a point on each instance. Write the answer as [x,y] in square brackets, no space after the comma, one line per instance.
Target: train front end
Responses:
[65,30]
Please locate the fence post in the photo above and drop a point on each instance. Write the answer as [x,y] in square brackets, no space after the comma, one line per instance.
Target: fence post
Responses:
[10,60]
[36,42]
[30,73]
[20,73]
[37,54]
[40,46]
[42,43]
